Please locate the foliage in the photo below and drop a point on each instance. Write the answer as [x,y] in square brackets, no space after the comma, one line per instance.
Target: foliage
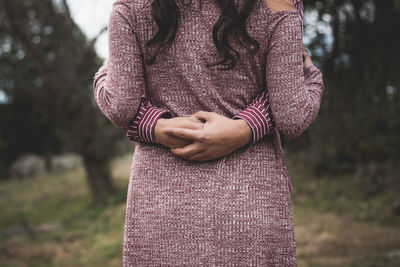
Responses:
[47,71]
[359,57]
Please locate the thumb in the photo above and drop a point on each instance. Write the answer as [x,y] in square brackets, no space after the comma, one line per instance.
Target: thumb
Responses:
[203,115]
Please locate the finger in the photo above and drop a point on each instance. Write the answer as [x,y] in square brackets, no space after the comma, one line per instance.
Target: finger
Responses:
[193,123]
[183,133]
[203,115]
[195,119]
[201,156]
[188,151]
[176,142]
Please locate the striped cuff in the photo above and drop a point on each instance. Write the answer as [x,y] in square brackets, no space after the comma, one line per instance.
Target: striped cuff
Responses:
[141,129]
[258,116]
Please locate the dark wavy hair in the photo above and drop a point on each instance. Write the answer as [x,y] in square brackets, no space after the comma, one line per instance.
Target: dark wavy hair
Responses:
[231,22]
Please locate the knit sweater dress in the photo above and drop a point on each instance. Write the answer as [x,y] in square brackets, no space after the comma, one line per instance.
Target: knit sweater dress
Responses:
[231,211]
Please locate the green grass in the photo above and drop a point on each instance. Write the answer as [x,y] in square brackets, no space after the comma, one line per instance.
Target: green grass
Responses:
[335,224]
[90,236]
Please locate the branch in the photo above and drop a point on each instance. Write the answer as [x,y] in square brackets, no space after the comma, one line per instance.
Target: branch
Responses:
[94,40]
[67,10]
[18,32]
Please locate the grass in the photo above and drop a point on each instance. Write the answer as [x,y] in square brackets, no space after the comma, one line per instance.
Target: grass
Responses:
[335,224]
[87,236]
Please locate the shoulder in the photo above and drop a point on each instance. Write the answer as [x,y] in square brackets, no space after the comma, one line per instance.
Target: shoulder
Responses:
[281,12]
[130,8]
[284,24]
[132,4]
[125,10]
[280,5]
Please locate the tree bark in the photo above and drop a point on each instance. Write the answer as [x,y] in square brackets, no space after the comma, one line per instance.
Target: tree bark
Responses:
[99,178]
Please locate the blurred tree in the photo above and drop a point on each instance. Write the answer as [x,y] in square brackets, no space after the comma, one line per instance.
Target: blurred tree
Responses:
[358,122]
[47,71]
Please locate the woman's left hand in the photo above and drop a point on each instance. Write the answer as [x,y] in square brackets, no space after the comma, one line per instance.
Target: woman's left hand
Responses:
[220,136]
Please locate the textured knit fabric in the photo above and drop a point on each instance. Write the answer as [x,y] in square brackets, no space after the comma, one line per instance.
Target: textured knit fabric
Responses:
[257,114]
[300,8]
[143,125]
[231,211]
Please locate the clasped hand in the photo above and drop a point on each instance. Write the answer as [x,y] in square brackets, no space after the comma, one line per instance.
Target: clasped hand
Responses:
[202,136]
[206,135]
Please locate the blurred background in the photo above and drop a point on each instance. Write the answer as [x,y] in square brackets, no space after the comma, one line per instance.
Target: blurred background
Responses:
[64,167]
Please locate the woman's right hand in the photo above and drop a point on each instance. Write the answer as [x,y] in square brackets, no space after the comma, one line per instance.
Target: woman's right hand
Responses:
[171,141]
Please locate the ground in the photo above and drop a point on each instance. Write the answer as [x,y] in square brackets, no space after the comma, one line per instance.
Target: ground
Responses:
[49,221]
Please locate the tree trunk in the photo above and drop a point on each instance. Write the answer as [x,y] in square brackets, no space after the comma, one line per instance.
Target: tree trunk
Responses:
[99,178]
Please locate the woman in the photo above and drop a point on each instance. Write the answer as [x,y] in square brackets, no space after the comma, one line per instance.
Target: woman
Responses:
[208,183]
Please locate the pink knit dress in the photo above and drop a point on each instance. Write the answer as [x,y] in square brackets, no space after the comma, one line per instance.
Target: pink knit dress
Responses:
[231,211]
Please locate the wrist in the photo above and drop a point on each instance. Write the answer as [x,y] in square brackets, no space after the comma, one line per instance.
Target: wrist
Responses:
[158,130]
[244,131]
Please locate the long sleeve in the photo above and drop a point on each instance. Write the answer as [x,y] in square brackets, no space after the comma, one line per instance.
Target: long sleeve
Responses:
[119,84]
[141,129]
[258,113]
[258,116]
[295,93]
[300,9]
